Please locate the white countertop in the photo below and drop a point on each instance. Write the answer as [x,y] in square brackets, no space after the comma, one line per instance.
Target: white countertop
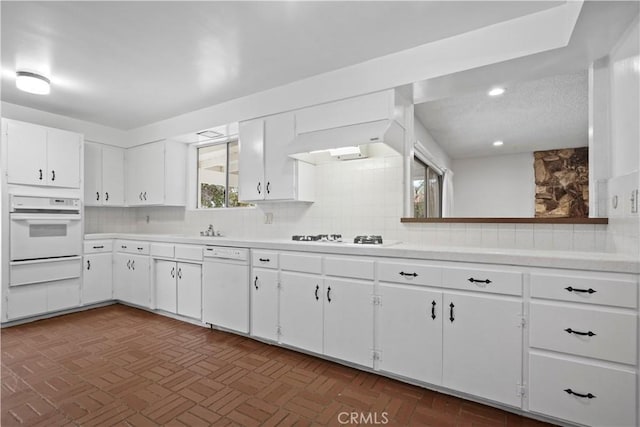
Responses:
[594,261]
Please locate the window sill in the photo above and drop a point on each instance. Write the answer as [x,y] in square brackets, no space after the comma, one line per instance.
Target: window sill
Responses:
[508,220]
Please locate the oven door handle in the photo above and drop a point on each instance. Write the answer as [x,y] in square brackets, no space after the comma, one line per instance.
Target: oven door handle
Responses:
[46,219]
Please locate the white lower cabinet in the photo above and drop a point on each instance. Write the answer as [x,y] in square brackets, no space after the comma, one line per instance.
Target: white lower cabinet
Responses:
[264,303]
[28,300]
[166,288]
[131,275]
[97,281]
[482,346]
[409,332]
[301,301]
[582,392]
[178,288]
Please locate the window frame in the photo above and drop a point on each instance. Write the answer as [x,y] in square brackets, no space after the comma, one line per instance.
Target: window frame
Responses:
[427,167]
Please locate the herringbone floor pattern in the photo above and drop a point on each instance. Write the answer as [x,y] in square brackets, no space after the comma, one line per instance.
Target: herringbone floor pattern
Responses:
[121,366]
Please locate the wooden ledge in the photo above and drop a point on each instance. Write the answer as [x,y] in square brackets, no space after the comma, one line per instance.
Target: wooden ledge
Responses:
[507,220]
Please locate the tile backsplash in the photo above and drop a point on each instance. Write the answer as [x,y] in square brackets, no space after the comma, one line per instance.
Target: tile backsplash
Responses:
[352,197]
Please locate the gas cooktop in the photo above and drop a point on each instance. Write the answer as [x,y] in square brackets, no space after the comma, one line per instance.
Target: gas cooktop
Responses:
[337,238]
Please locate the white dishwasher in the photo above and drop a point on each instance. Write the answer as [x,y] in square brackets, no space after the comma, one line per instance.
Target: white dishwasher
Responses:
[225,288]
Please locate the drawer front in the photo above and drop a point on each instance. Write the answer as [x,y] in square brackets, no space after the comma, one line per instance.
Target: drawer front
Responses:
[265,259]
[587,289]
[349,267]
[29,272]
[132,247]
[483,280]
[63,294]
[190,252]
[553,380]
[301,263]
[410,273]
[162,250]
[609,335]
[96,246]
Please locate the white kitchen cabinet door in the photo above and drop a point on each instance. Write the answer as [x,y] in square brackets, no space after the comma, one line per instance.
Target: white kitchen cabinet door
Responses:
[27,154]
[251,184]
[92,174]
[482,346]
[145,174]
[189,290]
[122,277]
[97,278]
[264,304]
[348,320]
[279,169]
[112,177]
[134,170]
[165,282]
[63,158]
[301,301]
[27,300]
[409,328]
[140,280]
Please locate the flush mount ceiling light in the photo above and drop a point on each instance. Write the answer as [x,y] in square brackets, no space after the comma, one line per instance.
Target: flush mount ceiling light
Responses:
[31,82]
[498,143]
[496,91]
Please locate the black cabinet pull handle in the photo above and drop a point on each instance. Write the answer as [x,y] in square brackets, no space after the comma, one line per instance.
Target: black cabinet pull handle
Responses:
[53,175]
[140,196]
[133,264]
[98,247]
[106,196]
[145,195]
[451,312]
[317,289]
[139,248]
[179,273]
[255,283]
[88,265]
[40,178]
[572,289]
[414,274]
[263,259]
[268,185]
[129,264]
[97,195]
[173,272]
[472,280]
[571,331]
[586,396]
[433,310]
[123,247]
[329,294]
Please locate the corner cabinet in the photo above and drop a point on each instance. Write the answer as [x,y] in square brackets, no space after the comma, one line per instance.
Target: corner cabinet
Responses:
[267,173]
[155,174]
[103,175]
[43,156]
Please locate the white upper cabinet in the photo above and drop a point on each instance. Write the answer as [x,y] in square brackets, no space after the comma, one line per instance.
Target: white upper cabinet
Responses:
[39,155]
[156,174]
[266,172]
[103,175]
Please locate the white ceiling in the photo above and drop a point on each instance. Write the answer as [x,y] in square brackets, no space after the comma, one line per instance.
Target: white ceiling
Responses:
[127,64]
[543,114]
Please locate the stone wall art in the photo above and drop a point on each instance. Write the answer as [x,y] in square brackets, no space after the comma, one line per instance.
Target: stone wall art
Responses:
[562,183]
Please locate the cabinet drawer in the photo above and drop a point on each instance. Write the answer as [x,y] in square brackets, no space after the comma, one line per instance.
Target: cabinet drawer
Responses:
[587,289]
[411,273]
[63,294]
[162,250]
[190,252]
[95,246]
[553,380]
[265,259]
[132,247]
[483,280]
[26,301]
[610,335]
[349,267]
[28,272]
[301,263]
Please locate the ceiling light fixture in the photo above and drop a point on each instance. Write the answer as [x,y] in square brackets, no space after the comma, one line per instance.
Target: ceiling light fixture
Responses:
[496,91]
[28,81]
[498,143]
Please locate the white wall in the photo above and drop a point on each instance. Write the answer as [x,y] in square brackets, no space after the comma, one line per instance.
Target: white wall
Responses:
[498,186]
[435,149]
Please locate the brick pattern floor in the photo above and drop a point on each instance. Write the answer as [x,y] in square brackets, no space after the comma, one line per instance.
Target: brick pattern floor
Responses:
[117,365]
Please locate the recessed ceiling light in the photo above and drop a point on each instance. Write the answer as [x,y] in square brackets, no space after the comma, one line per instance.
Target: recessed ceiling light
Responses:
[28,81]
[496,91]
[498,143]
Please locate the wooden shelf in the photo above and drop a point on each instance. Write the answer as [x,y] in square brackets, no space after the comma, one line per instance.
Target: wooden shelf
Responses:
[507,220]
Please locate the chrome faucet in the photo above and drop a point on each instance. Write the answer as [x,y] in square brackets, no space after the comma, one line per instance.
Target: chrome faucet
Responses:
[209,232]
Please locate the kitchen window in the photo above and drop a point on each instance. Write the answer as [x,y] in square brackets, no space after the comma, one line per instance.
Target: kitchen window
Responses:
[427,190]
[218,176]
